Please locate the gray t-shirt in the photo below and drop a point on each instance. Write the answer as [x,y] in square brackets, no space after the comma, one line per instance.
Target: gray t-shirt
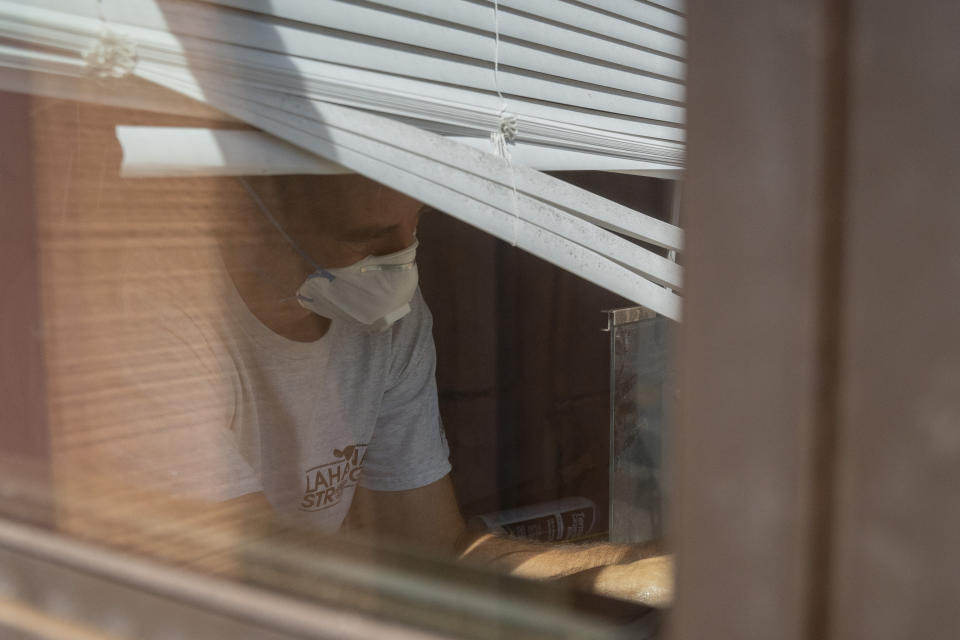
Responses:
[315,420]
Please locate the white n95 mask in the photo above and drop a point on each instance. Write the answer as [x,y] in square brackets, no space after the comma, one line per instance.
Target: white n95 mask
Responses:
[373,293]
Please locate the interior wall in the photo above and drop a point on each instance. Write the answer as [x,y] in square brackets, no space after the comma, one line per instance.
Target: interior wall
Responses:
[523,363]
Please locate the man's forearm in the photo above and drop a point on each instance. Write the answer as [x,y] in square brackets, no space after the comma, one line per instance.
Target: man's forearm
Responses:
[428,518]
[542,561]
[640,572]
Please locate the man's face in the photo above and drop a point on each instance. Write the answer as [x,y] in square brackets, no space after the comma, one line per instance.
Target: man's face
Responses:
[339,220]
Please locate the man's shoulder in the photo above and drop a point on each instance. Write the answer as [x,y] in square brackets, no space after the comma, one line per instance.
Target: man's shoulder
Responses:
[415,325]
[411,338]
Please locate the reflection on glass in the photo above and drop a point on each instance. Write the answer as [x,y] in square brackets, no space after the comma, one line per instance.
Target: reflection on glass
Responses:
[226,386]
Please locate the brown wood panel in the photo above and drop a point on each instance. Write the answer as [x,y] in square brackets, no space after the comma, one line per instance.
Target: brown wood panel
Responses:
[129,402]
[897,552]
[761,184]
[24,438]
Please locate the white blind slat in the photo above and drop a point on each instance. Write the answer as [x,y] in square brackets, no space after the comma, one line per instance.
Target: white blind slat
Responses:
[176,151]
[656,14]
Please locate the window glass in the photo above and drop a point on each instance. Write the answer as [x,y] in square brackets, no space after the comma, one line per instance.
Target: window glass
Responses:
[314,385]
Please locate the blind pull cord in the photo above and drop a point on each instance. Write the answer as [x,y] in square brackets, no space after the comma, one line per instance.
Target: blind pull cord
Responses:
[507,126]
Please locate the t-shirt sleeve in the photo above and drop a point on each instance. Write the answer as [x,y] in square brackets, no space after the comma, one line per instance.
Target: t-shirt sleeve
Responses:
[408,448]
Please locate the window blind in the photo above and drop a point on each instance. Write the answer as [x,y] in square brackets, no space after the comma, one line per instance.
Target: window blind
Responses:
[395,89]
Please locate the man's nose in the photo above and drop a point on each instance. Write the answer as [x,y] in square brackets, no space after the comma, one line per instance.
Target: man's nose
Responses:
[401,238]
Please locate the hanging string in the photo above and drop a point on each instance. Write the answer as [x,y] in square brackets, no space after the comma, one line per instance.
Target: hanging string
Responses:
[507,126]
[261,205]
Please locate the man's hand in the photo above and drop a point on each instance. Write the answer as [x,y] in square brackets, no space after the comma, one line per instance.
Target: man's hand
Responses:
[648,581]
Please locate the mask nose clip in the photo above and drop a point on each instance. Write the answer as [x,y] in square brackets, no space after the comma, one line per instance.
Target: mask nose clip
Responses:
[387,267]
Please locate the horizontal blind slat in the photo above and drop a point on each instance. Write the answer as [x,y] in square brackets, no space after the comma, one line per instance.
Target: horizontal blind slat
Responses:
[654,14]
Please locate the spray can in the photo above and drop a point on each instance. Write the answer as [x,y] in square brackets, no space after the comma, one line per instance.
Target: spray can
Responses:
[553,521]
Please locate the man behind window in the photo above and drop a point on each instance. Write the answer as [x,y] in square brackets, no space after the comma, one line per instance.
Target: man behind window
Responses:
[330,344]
